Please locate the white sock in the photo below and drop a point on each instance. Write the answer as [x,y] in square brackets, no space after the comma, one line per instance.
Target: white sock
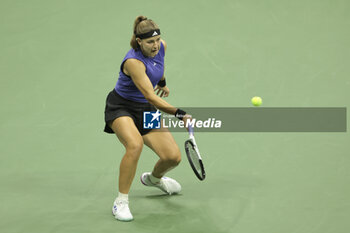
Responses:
[153,179]
[122,196]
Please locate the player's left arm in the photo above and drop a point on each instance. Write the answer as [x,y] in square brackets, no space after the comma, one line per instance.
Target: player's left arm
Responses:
[163,91]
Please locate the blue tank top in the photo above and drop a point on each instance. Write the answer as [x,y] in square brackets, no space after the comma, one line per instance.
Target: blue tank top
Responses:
[126,88]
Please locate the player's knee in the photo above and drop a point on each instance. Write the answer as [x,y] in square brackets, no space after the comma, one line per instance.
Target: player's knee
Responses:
[134,147]
[174,159]
[177,160]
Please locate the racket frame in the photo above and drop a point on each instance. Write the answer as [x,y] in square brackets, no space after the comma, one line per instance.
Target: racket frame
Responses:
[193,144]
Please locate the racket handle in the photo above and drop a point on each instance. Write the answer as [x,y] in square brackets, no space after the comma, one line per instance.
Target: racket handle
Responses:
[190,130]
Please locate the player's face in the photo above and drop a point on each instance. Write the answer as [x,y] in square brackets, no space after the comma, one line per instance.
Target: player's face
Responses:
[150,46]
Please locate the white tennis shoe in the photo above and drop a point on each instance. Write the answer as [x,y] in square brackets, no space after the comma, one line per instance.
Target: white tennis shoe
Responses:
[166,184]
[121,210]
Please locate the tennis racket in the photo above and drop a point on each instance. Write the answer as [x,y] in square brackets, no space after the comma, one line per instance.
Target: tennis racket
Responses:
[194,156]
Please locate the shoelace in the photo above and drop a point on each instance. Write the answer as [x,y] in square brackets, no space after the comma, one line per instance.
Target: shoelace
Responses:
[164,185]
[161,183]
[123,202]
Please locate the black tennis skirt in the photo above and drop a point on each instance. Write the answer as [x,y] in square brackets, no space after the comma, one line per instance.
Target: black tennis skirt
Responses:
[117,106]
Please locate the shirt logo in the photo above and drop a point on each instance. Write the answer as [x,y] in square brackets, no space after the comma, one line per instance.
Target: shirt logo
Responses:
[151,120]
[155,33]
[154,64]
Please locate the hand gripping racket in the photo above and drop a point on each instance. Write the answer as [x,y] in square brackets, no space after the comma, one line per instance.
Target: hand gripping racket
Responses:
[194,156]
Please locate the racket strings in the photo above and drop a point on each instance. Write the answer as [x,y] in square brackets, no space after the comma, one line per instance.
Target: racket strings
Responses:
[194,158]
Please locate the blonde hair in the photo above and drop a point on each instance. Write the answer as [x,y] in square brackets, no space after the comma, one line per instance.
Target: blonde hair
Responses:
[141,25]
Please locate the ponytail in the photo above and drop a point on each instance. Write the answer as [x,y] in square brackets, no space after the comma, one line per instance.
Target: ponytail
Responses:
[141,25]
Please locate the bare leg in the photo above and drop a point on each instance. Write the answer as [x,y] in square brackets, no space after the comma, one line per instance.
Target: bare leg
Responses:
[130,137]
[163,144]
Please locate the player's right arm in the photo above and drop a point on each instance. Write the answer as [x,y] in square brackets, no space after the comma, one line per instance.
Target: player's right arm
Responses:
[137,71]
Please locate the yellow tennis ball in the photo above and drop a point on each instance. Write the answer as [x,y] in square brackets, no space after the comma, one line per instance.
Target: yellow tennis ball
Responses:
[256,101]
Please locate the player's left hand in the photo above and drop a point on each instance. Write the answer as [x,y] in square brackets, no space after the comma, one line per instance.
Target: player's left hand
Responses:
[187,118]
[163,91]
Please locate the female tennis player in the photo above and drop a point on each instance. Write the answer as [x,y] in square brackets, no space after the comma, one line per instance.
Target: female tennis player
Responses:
[141,80]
